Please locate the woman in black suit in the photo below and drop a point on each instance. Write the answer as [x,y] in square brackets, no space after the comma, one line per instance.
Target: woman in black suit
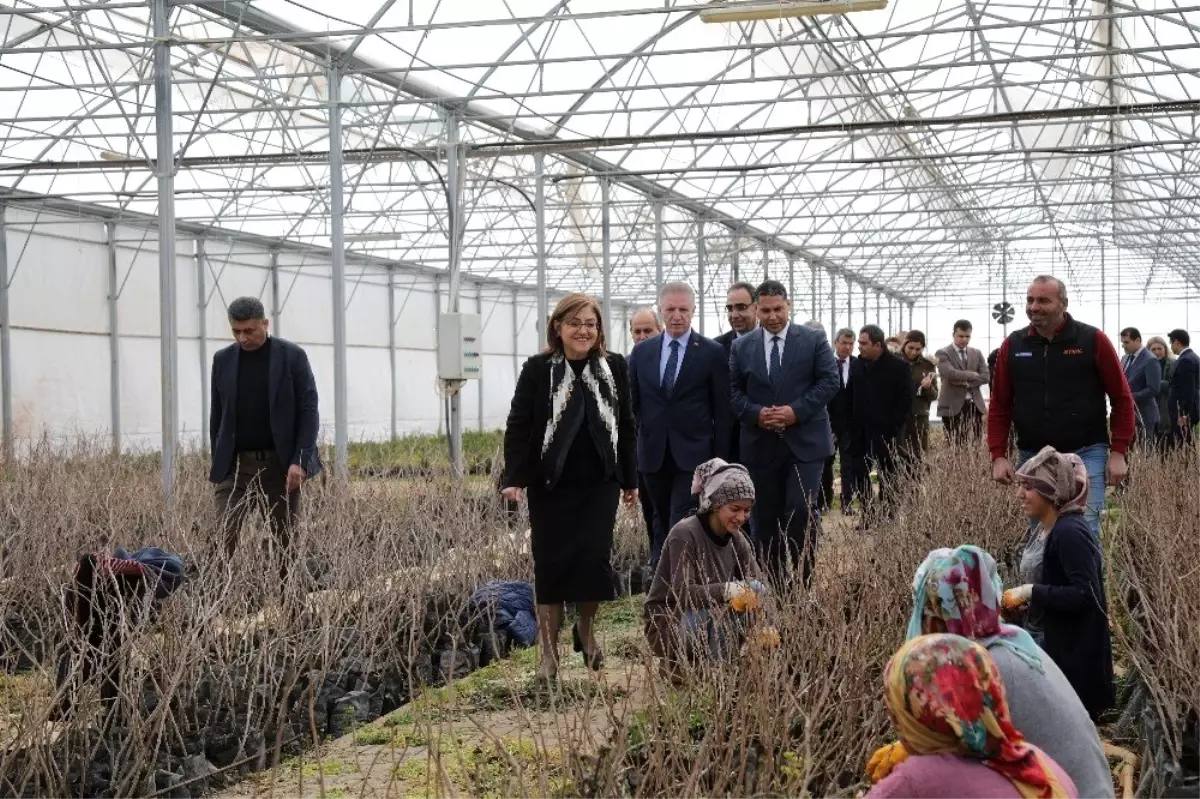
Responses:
[569,443]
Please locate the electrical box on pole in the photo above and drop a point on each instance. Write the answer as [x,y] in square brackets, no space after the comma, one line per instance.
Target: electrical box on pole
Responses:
[459,344]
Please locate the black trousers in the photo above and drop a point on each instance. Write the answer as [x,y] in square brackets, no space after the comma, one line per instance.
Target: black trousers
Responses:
[887,459]
[647,509]
[786,524]
[967,424]
[670,490]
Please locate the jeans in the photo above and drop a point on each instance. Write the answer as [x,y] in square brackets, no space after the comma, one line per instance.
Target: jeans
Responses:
[1095,459]
[705,637]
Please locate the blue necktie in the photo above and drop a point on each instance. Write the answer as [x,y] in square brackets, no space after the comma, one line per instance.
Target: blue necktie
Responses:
[668,378]
[775,360]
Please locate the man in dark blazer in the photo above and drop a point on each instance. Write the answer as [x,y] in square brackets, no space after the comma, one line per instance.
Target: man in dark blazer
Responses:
[782,378]
[1184,398]
[881,391]
[679,384]
[741,309]
[263,426]
[840,422]
[644,324]
[1144,375]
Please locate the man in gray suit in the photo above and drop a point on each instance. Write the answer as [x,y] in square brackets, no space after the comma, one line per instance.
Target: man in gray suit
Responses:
[1144,375]
[782,378]
[964,372]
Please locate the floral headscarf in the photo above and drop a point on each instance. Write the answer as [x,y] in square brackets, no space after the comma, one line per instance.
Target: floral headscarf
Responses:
[961,589]
[1059,477]
[946,697]
[718,483]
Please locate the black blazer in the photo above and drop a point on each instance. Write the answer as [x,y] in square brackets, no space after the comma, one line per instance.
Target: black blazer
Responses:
[1184,396]
[530,412]
[1074,611]
[881,394]
[726,340]
[295,419]
[840,412]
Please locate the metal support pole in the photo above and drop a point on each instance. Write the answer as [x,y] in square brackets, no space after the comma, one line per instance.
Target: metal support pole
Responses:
[275,296]
[165,167]
[1103,286]
[701,257]
[202,311]
[767,264]
[543,310]
[606,252]
[337,209]
[737,258]
[6,391]
[392,350]
[456,210]
[878,307]
[849,306]
[1004,281]
[832,303]
[891,321]
[437,312]
[812,266]
[791,259]
[516,335]
[658,249]
[114,338]
[479,382]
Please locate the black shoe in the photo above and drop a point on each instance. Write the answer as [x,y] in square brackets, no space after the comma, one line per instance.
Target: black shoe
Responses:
[595,662]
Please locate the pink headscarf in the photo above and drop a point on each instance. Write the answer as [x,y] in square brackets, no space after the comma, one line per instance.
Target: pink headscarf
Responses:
[1061,478]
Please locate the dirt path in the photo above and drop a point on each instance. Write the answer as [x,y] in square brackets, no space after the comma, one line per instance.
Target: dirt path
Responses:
[494,733]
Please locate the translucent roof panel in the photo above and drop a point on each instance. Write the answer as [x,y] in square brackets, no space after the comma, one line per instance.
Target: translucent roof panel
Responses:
[921,150]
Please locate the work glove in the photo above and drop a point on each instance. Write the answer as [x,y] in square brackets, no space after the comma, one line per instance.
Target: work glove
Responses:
[757,587]
[741,597]
[765,638]
[885,759]
[1017,597]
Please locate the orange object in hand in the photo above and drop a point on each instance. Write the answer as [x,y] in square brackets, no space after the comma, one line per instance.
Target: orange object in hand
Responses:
[1017,597]
[745,599]
[885,759]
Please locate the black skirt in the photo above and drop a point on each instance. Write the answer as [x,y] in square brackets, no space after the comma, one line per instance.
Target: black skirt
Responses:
[572,528]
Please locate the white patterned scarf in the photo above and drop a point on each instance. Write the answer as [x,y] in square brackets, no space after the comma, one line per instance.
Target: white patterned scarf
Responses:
[599,397]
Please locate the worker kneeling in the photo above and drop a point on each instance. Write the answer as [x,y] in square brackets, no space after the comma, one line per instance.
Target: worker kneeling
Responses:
[708,599]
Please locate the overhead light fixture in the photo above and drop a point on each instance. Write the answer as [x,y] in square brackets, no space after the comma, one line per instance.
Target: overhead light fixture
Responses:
[109,155]
[758,9]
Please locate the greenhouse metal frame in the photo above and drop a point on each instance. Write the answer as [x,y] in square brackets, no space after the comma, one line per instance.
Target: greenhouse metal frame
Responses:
[928,151]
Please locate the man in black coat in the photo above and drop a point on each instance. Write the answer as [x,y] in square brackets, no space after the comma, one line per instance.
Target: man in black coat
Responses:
[840,421]
[1183,401]
[263,426]
[741,308]
[881,392]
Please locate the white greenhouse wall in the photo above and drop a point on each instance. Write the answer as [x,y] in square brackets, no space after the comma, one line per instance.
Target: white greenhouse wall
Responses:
[62,344]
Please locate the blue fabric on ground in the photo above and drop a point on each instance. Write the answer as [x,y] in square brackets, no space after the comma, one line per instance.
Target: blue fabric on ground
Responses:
[166,566]
[511,608]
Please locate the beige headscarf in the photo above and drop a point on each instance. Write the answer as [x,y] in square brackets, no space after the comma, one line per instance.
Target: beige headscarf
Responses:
[718,483]
[1061,478]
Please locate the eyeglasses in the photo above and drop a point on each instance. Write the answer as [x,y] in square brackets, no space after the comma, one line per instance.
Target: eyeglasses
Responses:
[739,307]
[575,324]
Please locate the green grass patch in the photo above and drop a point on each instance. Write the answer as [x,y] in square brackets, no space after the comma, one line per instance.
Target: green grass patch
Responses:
[426,454]
[327,768]
[509,767]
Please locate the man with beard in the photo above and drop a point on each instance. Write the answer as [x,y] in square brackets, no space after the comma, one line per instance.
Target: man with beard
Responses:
[1052,380]
[741,308]
[881,393]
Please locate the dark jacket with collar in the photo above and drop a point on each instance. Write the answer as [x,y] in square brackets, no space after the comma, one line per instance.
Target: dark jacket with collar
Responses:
[1144,375]
[840,412]
[1184,397]
[881,393]
[529,413]
[295,419]
[726,340]
[807,383]
[694,419]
